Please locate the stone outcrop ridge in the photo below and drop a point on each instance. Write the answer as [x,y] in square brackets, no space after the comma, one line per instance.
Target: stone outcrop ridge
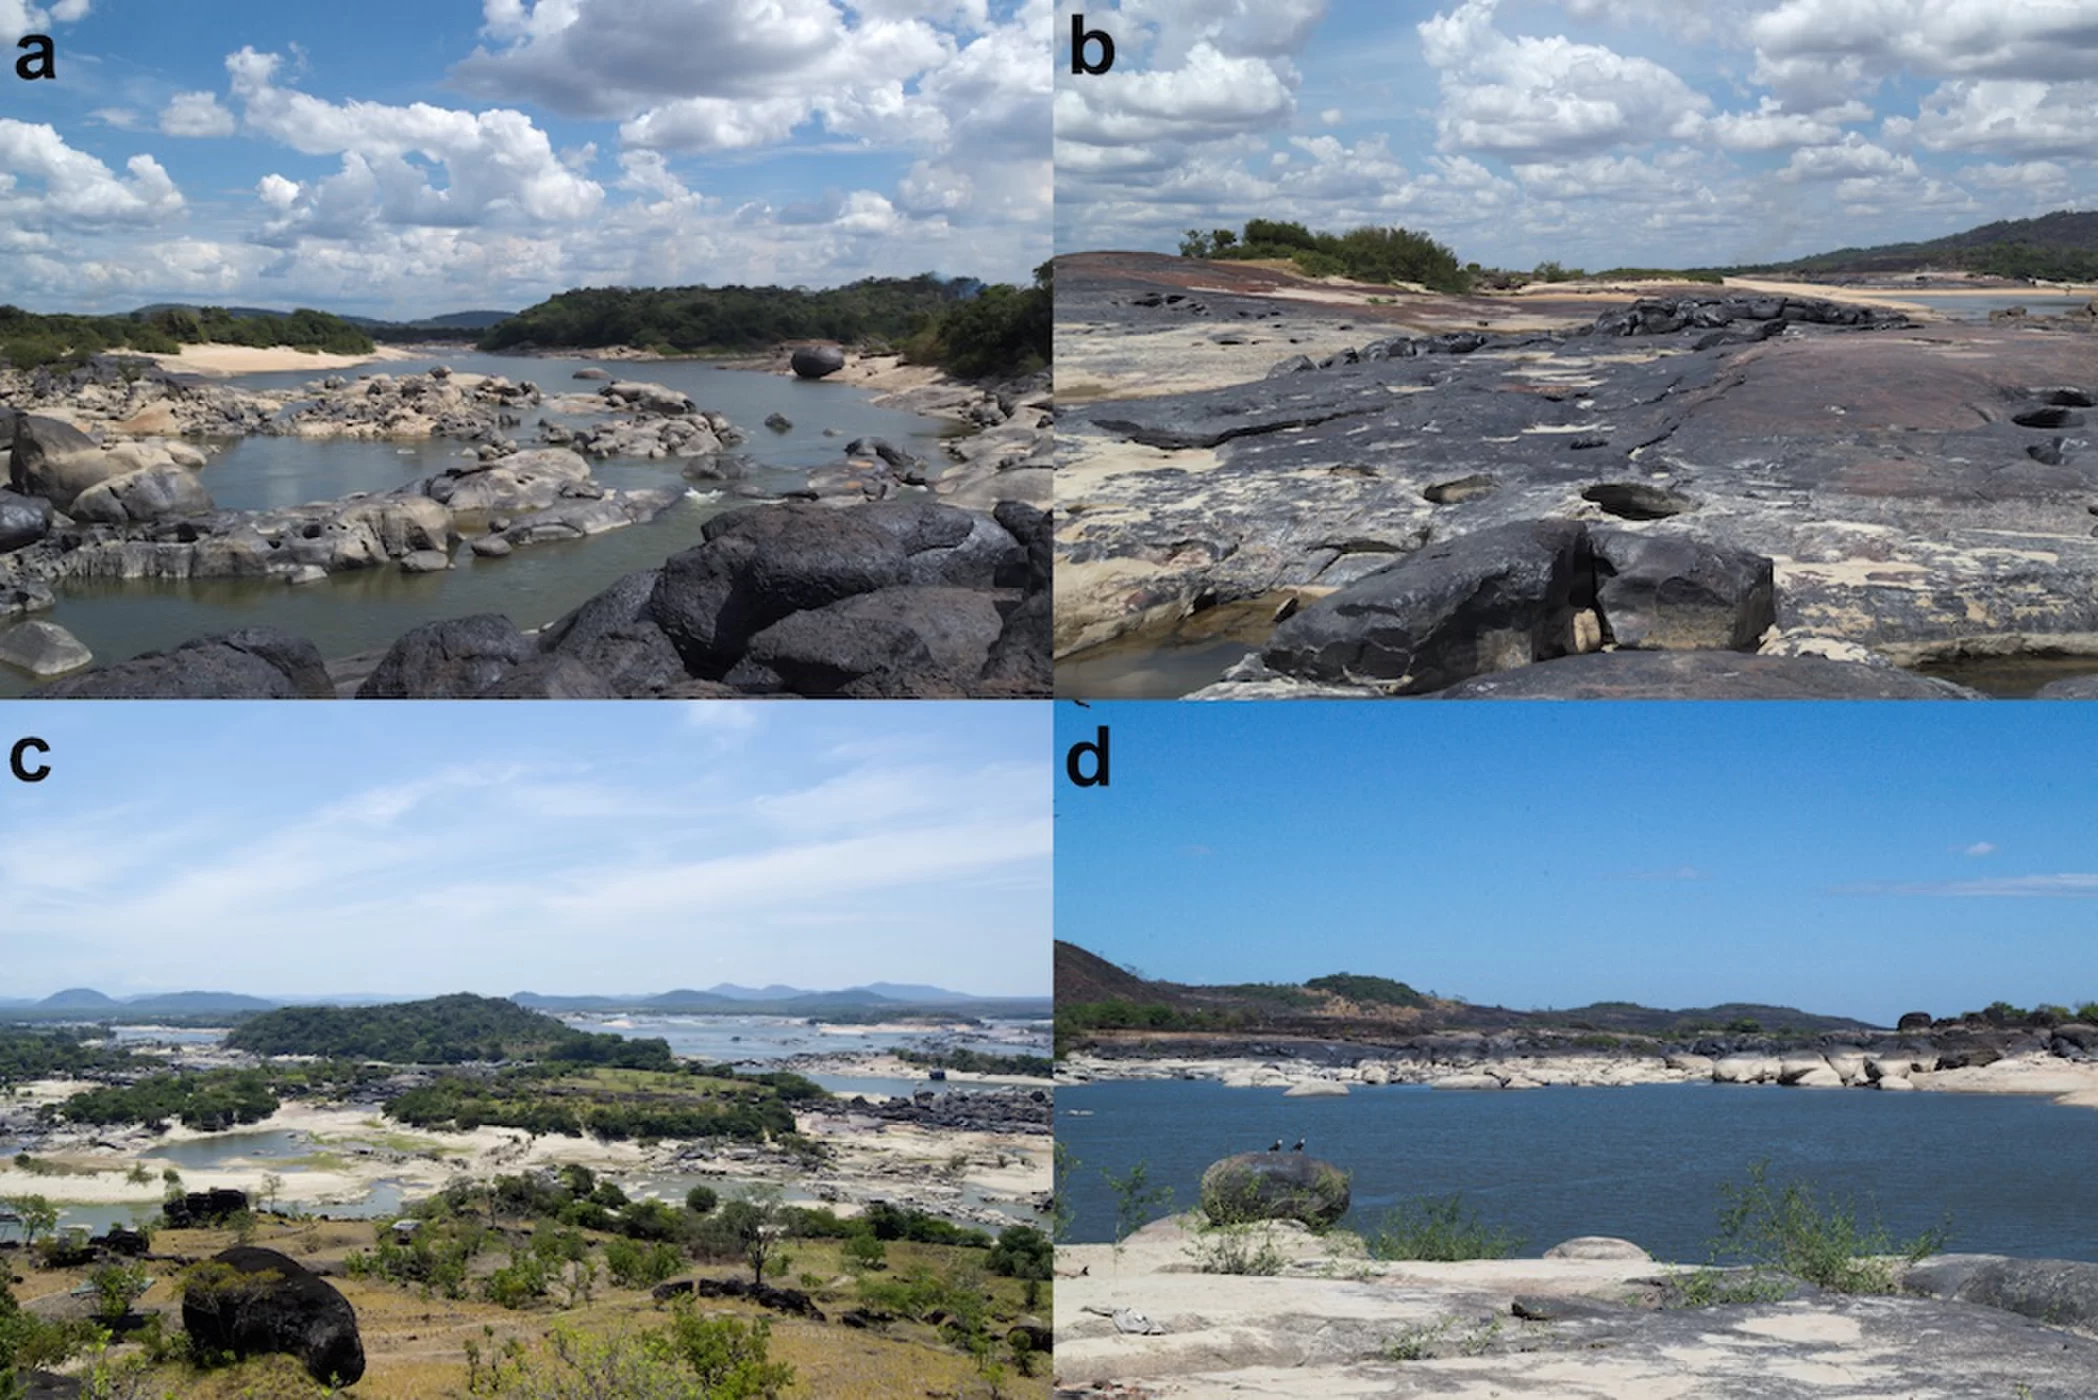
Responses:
[891,600]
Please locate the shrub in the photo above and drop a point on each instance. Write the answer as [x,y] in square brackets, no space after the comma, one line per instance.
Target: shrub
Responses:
[1439,1229]
[701,1199]
[635,1265]
[1022,1252]
[1794,1231]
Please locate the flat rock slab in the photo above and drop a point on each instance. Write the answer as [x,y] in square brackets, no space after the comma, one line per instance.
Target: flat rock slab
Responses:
[1551,1329]
[1884,473]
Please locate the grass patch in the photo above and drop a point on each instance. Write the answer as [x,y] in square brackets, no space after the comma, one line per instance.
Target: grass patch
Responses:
[1438,1229]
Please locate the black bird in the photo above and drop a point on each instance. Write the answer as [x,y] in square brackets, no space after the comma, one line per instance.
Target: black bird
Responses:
[1299,1147]
[1277,1147]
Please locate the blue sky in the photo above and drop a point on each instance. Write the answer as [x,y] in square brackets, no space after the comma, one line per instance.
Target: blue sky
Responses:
[1595,132]
[1853,859]
[410,850]
[409,159]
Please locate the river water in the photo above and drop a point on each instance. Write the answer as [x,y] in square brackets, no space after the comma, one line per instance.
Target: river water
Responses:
[365,610]
[1644,1163]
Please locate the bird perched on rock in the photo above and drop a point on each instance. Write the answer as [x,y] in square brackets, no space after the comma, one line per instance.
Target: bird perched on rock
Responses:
[1299,1147]
[1277,1147]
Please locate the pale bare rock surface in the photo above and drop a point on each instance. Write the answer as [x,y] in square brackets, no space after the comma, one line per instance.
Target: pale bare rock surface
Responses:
[1332,1326]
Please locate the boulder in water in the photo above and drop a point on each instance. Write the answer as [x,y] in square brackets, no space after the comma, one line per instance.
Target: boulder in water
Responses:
[1275,1186]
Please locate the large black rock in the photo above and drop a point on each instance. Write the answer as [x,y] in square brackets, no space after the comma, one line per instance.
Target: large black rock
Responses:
[760,565]
[449,660]
[815,361]
[1671,593]
[1274,1186]
[262,1302]
[254,663]
[1487,601]
[615,636]
[195,1209]
[893,643]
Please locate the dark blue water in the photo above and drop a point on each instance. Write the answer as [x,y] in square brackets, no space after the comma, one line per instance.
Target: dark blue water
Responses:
[1644,1163]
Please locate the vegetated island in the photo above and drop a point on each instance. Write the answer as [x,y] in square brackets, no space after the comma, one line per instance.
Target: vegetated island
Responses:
[1792,480]
[931,590]
[1259,1290]
[579,1213]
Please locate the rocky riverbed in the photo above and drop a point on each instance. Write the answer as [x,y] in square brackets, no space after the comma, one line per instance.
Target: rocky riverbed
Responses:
[1783,494]
[933,579]
[1957,1056]
[1142,1322]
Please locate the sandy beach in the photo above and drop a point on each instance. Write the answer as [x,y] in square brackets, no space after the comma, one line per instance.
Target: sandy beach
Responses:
[221,361]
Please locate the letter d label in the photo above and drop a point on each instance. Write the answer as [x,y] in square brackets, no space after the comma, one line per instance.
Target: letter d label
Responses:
[1075,760]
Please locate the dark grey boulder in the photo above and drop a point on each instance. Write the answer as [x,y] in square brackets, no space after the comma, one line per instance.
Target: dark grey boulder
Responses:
[551,678]
[1274,1186]
[1488,601]
[815,361]
[248,1301]
[253,663]
[1671,593]
[1020,665]
[766,563]
[23,520]
[1035,529]
[1704,675]
[614,636]
[448,660]
[891,642]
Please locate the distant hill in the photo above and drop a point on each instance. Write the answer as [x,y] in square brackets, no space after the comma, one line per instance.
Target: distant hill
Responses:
[1095,997]
[78,999]
[455,320]
[2058,247]
[778,999]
